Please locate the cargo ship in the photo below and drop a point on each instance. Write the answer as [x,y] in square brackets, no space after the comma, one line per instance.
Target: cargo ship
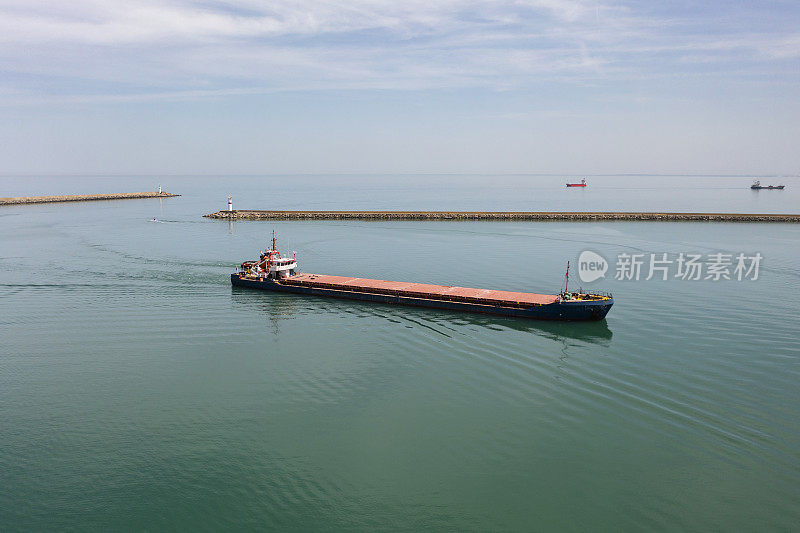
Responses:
[275,273]
[581,184]
[757,186]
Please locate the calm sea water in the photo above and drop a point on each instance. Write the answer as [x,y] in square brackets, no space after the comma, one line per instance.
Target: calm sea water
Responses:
[139,390]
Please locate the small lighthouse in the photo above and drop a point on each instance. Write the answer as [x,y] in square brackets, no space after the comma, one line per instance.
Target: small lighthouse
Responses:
[230,204]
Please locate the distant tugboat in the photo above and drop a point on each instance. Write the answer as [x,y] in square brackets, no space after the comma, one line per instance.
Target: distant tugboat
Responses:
[581,184]
[275,273]
[757,186]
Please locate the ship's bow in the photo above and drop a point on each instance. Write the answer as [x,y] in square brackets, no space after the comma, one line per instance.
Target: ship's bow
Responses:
[583,309]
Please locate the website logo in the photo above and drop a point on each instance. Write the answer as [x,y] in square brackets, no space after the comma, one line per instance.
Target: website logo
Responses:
[591,266]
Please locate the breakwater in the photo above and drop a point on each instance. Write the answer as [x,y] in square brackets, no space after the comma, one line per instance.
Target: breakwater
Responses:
[82,197]
[498,215]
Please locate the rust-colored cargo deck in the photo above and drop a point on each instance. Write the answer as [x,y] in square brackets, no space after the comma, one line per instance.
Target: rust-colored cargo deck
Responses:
[421,290]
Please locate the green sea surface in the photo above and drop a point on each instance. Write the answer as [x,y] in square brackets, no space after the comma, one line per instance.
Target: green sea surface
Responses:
[140,391]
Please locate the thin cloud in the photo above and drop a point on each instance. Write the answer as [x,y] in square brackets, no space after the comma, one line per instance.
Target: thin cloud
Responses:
[143,49]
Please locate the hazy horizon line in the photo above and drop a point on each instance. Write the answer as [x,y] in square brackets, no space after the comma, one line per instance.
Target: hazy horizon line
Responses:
[388,174]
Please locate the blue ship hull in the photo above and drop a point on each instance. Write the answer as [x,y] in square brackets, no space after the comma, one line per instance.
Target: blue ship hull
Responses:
[563,310]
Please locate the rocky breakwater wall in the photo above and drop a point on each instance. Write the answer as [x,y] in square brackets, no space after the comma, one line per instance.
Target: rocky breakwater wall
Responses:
[497,215]
[19,200]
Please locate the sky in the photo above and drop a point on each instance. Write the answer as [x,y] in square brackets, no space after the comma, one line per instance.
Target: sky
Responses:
[376,86]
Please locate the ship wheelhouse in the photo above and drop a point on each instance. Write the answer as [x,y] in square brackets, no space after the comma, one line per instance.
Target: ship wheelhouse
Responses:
[271,265]
[282,268]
